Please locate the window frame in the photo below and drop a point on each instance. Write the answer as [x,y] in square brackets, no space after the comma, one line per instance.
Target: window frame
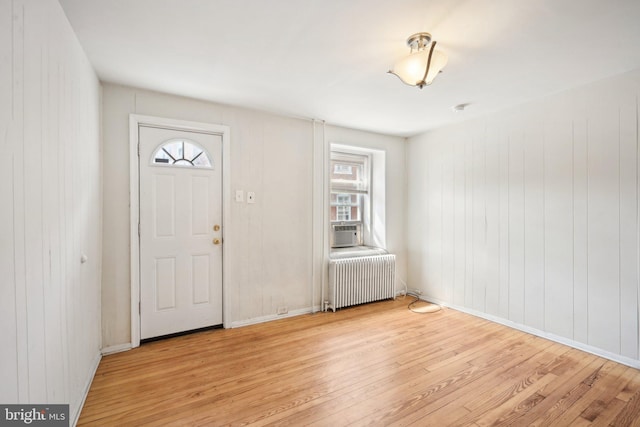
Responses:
[361,189]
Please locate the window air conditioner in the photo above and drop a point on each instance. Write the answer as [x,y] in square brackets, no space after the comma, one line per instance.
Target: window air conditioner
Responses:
[344,236]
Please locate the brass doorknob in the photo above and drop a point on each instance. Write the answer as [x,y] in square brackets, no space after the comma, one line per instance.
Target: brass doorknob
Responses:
[216,227]
[216,241]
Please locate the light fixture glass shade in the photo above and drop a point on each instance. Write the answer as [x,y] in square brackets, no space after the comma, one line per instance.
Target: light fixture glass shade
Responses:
[411,69]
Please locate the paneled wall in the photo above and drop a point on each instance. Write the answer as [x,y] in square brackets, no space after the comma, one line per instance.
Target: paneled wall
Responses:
[275,250]
[50,208]
[530,216]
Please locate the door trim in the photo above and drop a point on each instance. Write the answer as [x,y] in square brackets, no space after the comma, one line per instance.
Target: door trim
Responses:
[135,121]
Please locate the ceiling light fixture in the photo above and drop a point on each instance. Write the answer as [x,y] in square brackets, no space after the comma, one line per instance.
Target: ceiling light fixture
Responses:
[423,63]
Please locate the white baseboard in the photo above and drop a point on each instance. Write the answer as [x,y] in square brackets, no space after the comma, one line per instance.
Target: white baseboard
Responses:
[537,332]
[85,392]
[271,317]
[116,348]
[237,324]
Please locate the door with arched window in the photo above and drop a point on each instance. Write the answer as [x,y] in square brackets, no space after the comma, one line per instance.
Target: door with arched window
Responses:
[180,231]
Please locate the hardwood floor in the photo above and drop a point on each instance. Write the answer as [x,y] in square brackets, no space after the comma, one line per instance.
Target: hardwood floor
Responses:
[375,364]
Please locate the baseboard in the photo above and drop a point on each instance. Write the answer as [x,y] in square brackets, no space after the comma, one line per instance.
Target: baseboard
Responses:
[116,349]
[271,317]
[542,334]
[75,416]
[237,324]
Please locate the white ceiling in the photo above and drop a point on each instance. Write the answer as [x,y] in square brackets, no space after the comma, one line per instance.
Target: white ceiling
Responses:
[327,59]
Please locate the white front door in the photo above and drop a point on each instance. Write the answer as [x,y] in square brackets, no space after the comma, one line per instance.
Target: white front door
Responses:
[180,231]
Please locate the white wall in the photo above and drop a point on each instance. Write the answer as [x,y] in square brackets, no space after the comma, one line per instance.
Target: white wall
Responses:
[530,216]
[274,256]
[51,208]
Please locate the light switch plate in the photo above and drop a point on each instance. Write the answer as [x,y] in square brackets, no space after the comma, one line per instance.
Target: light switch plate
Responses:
[251,197]
[239,196]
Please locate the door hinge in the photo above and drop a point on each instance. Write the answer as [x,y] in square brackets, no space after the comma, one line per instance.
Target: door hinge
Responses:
[139,307]
[138,229]
[138,149]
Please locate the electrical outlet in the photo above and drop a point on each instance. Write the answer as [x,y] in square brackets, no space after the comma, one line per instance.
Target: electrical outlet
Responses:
[282,310]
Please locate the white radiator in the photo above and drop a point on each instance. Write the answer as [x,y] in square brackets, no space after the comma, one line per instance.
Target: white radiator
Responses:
[360,280]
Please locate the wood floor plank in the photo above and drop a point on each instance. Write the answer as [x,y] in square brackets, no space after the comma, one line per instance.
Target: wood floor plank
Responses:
[403,397]
[606,396]
[375,364]
[427,403]
[548,396]
[499,389]
[572,404]
[629,415]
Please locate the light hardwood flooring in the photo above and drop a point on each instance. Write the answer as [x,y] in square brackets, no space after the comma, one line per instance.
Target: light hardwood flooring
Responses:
[375,364]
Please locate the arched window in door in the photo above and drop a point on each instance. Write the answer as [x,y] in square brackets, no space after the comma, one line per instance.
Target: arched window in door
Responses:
[181,152]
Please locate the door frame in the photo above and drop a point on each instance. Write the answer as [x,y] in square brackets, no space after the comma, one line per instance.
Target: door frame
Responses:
[135,121]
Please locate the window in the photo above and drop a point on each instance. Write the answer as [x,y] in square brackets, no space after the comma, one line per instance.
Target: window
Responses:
[347,207]
[181,152]
[357,192]
[349,186]
[343,205]
[344,213]
[340,169]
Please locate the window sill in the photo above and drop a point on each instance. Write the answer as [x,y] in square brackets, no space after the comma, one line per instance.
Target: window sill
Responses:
[355,251]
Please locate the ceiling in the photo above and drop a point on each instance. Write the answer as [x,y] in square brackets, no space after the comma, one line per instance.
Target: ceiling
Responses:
[327,59]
